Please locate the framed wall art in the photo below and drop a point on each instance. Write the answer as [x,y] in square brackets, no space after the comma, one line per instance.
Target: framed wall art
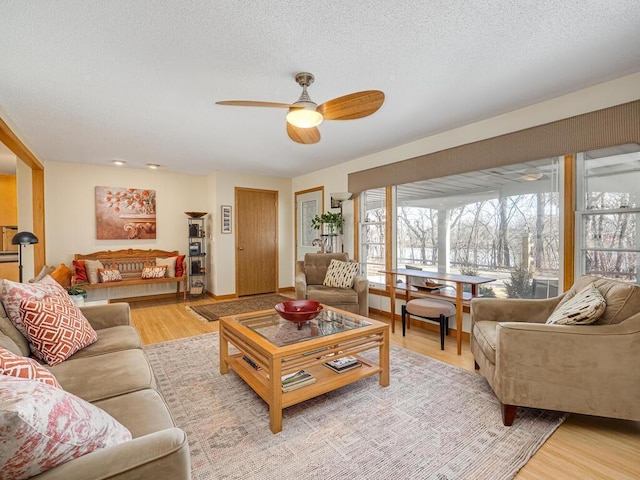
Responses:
[226,219]
[125,213]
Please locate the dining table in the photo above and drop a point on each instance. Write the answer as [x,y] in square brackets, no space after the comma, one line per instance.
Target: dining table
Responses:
[442,291]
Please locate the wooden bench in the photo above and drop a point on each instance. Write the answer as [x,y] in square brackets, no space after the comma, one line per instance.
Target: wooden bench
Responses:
[130,263]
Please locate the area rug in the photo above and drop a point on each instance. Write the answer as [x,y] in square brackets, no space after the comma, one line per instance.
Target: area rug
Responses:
[434,421]
[211,312]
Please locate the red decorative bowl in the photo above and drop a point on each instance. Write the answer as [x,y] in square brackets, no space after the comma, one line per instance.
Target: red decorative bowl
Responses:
[299,310]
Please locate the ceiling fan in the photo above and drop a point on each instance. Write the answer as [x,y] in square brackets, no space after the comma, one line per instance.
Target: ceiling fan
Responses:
[305,115]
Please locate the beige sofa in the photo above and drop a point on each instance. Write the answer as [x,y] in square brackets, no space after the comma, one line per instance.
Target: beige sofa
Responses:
[310,274]
[113,374]
[588,369]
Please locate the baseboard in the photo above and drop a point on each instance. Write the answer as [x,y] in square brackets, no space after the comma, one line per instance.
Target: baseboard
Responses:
[287,290]
[230,296]
[142,298]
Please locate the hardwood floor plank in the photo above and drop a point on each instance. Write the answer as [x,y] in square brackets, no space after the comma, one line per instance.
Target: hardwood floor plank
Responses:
[582,448]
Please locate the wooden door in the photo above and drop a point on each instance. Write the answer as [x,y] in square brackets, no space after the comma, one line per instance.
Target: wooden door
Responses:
[256,241]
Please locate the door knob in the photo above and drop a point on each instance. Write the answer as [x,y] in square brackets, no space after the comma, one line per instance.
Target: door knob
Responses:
[241,248]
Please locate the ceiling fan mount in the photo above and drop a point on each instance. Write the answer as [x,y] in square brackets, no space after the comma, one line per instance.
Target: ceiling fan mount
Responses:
[305,115]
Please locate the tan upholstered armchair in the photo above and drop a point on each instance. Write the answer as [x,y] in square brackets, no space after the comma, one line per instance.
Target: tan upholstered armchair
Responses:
[310,274]
[588,369]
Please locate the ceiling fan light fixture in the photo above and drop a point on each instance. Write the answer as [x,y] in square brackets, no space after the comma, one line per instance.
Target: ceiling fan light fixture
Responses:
[306,117]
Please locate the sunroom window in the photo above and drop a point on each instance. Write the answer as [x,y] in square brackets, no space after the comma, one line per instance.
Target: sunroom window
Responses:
[501,222]
[372,235]
[608,207]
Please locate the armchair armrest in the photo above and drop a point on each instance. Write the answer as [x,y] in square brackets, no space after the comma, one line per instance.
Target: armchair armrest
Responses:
[163,454]
[105,316]
[512,309]
[301,281]
[361,286]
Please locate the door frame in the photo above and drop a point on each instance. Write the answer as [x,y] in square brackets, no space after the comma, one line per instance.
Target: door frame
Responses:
[276,226]
[295,214]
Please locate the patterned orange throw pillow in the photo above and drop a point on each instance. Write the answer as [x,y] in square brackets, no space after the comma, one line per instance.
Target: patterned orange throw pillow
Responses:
[109,275]
[56,328]
[24,367]
[154,272]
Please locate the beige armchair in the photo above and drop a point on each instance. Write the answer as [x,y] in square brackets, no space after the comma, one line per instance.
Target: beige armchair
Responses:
[588,369]
[310,274]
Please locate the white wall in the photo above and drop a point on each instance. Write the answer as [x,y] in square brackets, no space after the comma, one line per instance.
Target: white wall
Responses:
[25,215]
[224,244]
[70,216]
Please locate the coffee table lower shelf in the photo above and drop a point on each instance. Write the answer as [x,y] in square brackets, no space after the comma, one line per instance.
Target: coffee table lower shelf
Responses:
[326,379]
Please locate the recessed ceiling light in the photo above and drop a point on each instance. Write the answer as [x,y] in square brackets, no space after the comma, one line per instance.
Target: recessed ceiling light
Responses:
[532,175]
[153,166]
[119,163]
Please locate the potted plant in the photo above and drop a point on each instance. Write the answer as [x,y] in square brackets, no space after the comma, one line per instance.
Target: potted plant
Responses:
[329,222]
[77,294]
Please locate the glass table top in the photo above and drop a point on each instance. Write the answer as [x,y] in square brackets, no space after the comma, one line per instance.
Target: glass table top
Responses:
[282,332]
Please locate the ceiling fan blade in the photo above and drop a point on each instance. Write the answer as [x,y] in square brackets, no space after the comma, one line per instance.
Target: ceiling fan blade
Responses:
[307,136]
[249,103]
[352,106]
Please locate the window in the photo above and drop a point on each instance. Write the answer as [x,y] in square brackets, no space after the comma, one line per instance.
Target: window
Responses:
[372,235]
[608,210]
[501,222]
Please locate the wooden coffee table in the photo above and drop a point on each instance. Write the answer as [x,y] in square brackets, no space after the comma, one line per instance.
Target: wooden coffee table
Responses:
[277,347]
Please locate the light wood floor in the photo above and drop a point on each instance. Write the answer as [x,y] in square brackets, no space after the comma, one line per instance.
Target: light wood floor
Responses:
[583,447]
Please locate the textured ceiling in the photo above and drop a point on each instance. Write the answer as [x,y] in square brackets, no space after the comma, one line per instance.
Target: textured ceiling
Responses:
[91,81]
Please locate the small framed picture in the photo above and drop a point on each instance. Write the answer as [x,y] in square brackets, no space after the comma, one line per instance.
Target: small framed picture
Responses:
[226,219]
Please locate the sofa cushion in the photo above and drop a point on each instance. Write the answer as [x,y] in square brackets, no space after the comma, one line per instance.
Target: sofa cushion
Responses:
[62,274]
[80,271]
[623,299]
[584,308]
[24,367]
[341,274]
[13,293]
[106,275]
[485,334]
[316,265]
[332,296]
[180,266]
[170,263]
[9,329]
[112,339]
[44,271]
[141,412]
[91,267]
[56,328]
[154,272]
[105,376]
[44,427]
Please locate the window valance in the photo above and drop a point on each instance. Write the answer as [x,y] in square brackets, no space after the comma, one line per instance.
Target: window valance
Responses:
[590,131]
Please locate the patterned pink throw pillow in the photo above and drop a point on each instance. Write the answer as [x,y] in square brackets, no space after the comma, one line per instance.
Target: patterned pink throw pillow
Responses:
[56,328]
[13,293]
[23,367]
[44,427]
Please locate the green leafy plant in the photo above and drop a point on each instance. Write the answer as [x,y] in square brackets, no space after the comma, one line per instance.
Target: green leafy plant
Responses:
[470,270]
[332,219]
[521,282]
[74,290]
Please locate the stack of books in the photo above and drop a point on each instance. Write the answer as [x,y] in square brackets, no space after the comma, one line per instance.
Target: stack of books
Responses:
[296,380]
[343,364]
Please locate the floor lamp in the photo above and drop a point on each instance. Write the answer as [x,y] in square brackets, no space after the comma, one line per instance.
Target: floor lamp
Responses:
[22,239]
